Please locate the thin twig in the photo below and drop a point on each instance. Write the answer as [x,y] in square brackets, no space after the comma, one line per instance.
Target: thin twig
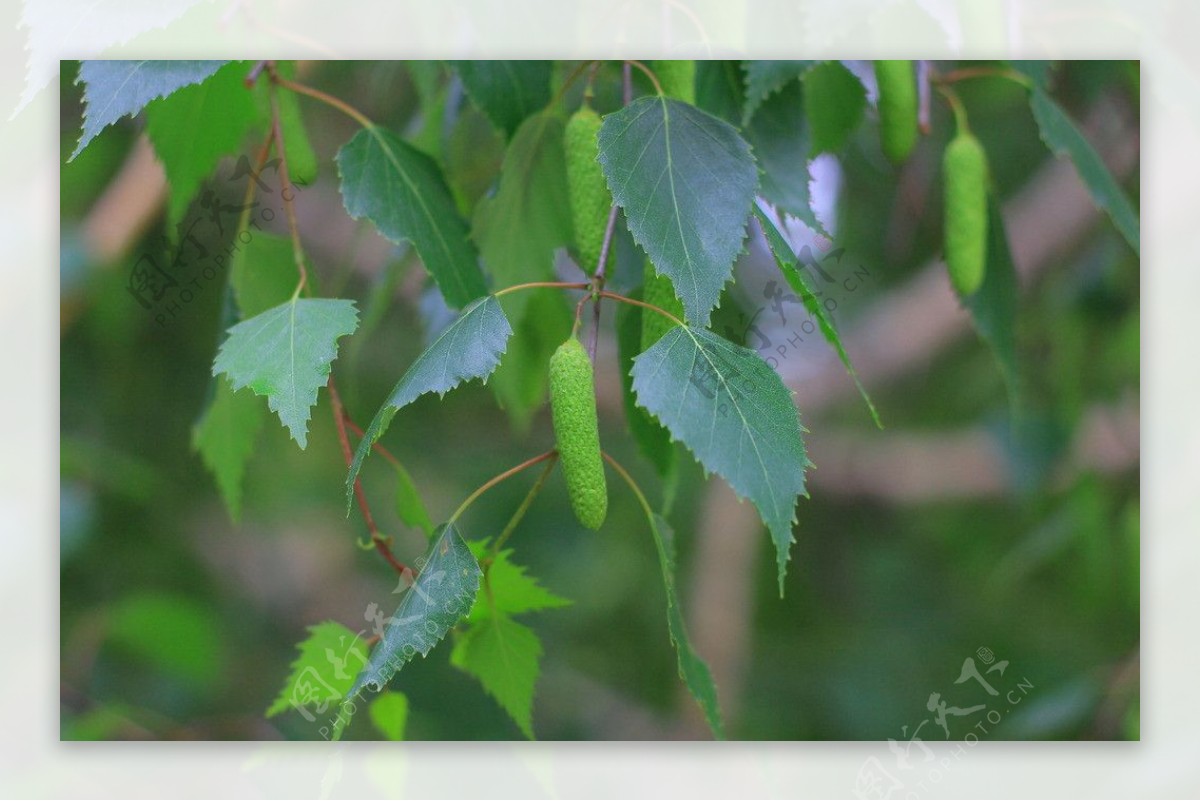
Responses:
[515,520]
[644,305]
[536,284]
[377,539]
[598,279]
[509,473]
[288,192]
[324,97]
[382,451]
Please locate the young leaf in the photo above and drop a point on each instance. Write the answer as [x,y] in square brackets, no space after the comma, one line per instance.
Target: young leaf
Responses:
[780,137]
[764,78]
[113,89]
[301,160]
[389,712]
[994,307]
[834,102]
[193,128]
[319,676]
[1063,138]
[789,266]
[686,181]
[401,191]
[409,506]
[439,597]
[263,273]
[734,413]
[652,439]
[519,227]
[510,590]
[224,437]
[503,655]
[692,669]
[507,91]
[521,380]
[719,89]
[285,353]
[470,347]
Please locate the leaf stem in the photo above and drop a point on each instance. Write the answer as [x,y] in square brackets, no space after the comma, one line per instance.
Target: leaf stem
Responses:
[633,485]
[515,520]
[644,305]
[380,542]
[649,74]
[967,73]
[509,473]
[574,76]
[956,105]
[536,284]
[324,97]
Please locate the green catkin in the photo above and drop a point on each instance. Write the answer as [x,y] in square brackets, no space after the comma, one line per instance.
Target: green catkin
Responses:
[965,171]
[577,432]
[897,108]
[677,79]
[657,291]
[589,196]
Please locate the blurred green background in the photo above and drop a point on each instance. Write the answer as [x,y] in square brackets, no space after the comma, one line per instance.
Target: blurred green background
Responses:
[177,623]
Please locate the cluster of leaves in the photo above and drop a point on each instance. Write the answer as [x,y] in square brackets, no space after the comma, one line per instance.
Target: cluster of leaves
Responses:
[691,176]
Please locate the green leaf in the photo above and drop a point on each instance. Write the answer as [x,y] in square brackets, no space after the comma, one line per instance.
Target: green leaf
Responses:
[171,633]
[1063,138]
[834,102]
[224,437]
[1037,71]
[114,89]
[507,91]
[521,381]
[790,267]
[389,713]
[719,89]
[263,273]
[652,439]
[301,160]
[470,347]
[439,597]
[192,129]
[323,671]
[994,306]
[692,669]
[401,191]
[503,655]
[285,353]
[686,181]
[409,506]
[510,591]
[780,137]
[519,228]
[734,413]
[764,78]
